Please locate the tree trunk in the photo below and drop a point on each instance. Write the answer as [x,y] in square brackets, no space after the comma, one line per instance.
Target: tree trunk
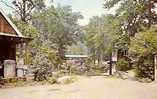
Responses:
[61,52]
[150,14]
[100,59]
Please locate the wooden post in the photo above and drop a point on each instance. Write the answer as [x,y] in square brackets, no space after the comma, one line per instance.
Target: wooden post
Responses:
[110,67]
[26,54]
[21,50]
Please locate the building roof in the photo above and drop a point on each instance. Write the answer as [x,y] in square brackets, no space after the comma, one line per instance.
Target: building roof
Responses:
[14,38]
[19,34]
[17,37]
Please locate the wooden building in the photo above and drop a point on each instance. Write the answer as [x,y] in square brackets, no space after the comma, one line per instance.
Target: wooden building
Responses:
[10,37]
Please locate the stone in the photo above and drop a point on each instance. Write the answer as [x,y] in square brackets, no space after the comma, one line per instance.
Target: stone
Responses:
[9,68]
[65,80]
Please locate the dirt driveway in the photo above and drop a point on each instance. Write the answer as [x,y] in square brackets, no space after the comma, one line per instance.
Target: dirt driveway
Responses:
[86,88]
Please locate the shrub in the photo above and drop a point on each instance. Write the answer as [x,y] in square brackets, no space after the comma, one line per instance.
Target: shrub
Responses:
[145,68]
[143,47]
[123,65]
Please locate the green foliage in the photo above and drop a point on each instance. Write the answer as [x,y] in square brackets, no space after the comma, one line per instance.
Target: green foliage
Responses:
[29,31]
[142,49]
[77,49]
[145,67]
[134,12]
[99,36]
[132,16]
[26,29]
[45,61]
[55,29]
[123,65]
[144,43]
[136,17]
[58,27]
[52,30]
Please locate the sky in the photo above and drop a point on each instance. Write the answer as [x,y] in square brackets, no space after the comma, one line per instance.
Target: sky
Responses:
[88,8]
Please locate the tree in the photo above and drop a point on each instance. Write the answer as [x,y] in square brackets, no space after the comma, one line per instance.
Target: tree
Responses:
[99,37]
[58,29]
[24,8]
[135,13]
[53,30]
[59,26]
[142,49]
[133,16]
[29,31]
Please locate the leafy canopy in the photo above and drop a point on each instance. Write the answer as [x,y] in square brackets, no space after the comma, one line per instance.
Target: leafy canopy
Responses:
[144,43]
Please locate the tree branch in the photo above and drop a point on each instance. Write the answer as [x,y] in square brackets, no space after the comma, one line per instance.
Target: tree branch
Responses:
[5,3]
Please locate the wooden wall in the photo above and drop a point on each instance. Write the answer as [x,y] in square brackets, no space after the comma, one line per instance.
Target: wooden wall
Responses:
[7,51]
[5,27]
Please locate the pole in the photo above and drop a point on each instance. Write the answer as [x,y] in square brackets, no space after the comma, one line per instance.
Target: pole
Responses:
[110,67]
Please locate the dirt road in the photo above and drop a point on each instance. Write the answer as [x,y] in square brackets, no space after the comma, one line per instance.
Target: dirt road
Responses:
[86,88]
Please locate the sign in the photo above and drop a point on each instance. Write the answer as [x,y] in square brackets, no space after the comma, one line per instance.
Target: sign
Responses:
[114,55]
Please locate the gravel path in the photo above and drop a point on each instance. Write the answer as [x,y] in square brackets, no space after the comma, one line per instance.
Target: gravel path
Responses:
[86,88]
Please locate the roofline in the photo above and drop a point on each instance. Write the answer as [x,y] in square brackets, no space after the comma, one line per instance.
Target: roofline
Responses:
[76,56]
[21,39]
[8,34]
[11,23]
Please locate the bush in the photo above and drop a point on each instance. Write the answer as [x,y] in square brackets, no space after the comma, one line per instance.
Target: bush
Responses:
[123,65]
[143,47]
[145,68]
